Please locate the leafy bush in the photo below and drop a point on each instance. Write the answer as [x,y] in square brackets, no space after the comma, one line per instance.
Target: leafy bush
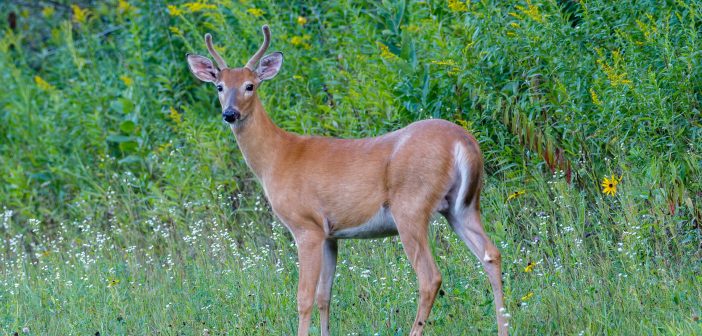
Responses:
[106,134]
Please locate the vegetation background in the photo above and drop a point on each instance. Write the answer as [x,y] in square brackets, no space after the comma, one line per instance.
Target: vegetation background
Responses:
[126,207]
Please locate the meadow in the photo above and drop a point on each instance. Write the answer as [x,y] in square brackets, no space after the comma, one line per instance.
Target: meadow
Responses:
[126,207]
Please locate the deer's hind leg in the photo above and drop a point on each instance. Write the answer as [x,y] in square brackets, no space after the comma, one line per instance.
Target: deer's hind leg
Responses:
[412,227]
[465,221]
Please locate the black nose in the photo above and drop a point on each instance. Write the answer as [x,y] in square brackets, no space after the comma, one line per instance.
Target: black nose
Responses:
[230,115]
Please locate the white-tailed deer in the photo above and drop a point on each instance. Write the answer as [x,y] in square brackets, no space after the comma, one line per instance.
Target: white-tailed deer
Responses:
[325,189]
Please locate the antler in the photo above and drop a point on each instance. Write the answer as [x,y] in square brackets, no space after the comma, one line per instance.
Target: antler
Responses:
[220,62]
[251,64]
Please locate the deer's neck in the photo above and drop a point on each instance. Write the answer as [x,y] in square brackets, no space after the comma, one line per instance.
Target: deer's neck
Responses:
[260,140]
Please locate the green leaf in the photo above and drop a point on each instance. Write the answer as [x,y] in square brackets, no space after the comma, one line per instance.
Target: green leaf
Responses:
[123,105]
[128,146]
[130,159]
[127,126]
[118,138]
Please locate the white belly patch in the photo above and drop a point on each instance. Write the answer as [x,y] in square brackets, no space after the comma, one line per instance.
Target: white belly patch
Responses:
[380,225]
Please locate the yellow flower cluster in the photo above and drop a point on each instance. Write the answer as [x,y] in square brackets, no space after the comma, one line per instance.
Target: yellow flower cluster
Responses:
[649,30]
[42,84]
[189,7]
[126,80]
[301,41]
[47,12]
[124,7]
[614,72]
[194,7]
[454,68]
[412,28]
[385,52]
[531,11]
[175,30]
[175,116]
[595,99]
[465,124]
[80,15]
[301,20]
[174,10]
[256,12]
[457,6]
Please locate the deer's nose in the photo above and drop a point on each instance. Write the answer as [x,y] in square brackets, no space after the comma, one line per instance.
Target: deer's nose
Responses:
[230,115]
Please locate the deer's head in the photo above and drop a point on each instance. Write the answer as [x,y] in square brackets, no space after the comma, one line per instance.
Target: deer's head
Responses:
[236,87]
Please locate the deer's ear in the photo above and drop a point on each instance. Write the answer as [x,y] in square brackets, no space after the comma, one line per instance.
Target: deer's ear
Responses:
[269,66]
[202,68]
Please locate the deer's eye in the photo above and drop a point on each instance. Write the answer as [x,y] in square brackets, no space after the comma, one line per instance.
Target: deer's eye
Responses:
[249,87]
[220,88]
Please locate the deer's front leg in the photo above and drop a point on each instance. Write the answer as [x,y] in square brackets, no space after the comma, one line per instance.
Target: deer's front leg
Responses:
[309,252]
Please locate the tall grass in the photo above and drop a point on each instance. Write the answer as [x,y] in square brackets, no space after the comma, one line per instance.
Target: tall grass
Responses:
[126,207]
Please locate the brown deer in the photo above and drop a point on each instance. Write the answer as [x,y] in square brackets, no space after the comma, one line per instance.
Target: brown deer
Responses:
[326,189]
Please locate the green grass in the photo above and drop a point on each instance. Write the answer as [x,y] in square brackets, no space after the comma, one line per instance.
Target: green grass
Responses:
[126,207]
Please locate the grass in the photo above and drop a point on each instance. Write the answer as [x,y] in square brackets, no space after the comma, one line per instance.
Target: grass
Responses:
[126,207]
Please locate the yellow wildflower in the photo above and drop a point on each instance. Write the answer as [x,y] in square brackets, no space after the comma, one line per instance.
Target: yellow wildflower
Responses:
[457,6]
[515,15]
[445,62]
[649,31]
[194,7]
[174,10]
[47,12]
[175,30]
[609,186]
[614,72]
[301,20]
[127,81]
[465,124]
[257,12]
[529,267]
[175,116]
[527,296]
[163,147]
[42,84]
[112,282]
[531,11]
[301,41]
[385,52]
[595,98]
[515,194]
[124,7]
[412,28]
[298,77]
[453,67]
[80,15]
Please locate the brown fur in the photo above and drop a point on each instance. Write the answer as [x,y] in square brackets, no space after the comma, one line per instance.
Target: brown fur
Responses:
[316,185]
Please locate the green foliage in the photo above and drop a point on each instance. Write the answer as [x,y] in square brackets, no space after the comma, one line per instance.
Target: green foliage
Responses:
[118,182]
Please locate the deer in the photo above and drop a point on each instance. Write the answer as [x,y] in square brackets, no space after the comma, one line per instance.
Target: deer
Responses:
[326,189]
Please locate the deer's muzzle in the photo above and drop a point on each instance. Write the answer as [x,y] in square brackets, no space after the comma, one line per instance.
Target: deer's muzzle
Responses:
[231,115]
